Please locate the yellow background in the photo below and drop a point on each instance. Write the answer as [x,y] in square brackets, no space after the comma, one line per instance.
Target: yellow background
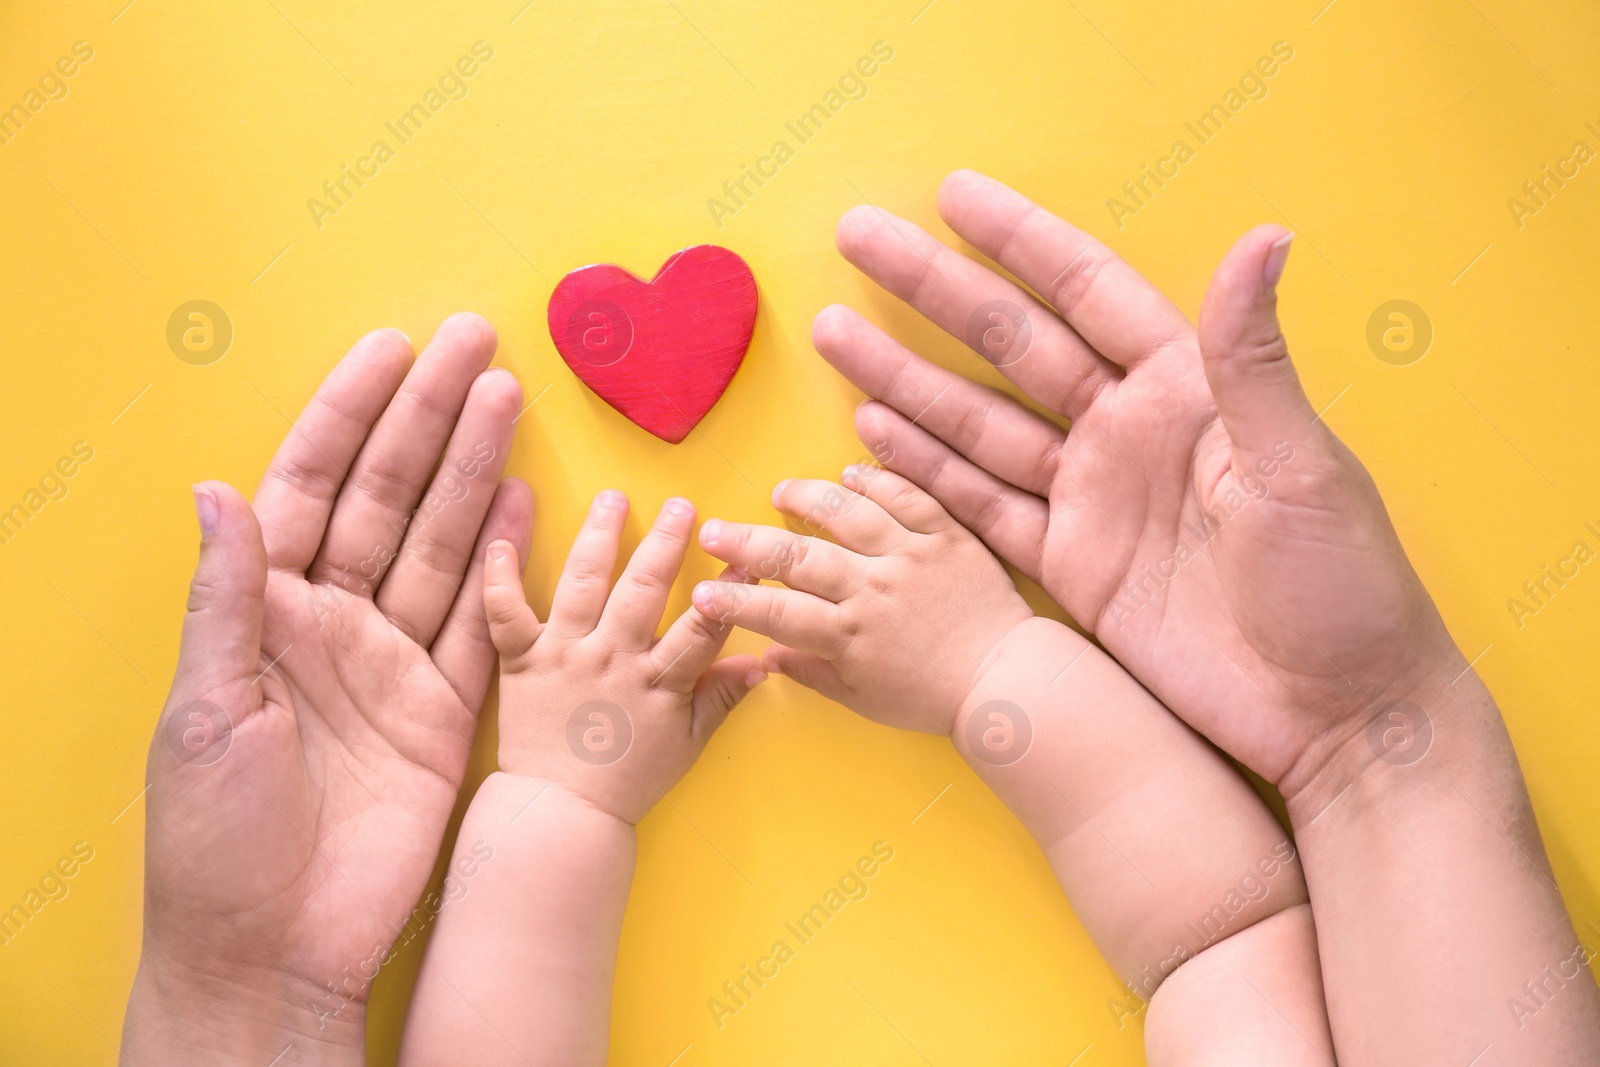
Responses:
[179,165]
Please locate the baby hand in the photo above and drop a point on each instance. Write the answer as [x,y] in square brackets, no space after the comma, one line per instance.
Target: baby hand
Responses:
[894,618]
[592,701]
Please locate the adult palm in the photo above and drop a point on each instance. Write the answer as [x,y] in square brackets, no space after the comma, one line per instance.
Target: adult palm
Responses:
[1199,518]
[333,660]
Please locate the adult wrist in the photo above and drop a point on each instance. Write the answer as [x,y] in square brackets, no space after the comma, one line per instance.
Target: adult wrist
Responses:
[1408,741]
[183,1012]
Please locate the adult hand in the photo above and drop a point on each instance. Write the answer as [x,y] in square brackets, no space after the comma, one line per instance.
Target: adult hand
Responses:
[1217,538]
[1199,519]
[333,661]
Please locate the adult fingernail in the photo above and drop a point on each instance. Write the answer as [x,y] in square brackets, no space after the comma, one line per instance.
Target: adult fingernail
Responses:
[206,507]
[1277,256]
[710,532]
[611,499]
[704,595]
[755,677]
[678,506]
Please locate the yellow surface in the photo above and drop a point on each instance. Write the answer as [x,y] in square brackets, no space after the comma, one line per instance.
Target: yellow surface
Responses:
[178,166]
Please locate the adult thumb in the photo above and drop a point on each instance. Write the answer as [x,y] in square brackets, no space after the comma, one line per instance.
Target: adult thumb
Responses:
[221,642]
[1253,381]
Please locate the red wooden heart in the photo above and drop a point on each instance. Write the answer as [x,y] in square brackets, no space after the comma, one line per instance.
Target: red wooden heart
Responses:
[661,352]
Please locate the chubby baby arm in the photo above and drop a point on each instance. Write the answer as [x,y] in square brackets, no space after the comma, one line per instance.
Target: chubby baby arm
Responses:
[598,719]
[1173,864]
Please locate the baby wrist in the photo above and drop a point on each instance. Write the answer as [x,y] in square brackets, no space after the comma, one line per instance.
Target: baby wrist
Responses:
[994,723]
[505,799]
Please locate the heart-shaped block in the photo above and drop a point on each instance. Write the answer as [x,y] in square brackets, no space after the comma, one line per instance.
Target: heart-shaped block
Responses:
[661,352]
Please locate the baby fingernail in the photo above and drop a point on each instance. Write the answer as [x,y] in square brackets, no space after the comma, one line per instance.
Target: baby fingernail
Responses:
[710,532]
[611,499]
[205,506]
[777,491]
[499,550]
[678,506]
[704,594]
[755,677]
[852,474]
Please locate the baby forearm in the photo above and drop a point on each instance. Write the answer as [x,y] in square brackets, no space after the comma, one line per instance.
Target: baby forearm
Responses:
[1443,932]
[1162,848]
[520,968]
[1255,997]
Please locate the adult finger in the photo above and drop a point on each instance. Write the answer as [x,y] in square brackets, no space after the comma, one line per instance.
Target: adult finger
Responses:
[1111,305]
[464,651]
[419,588]
[221,641]
[375,504]
[296,494]
[988,427]
[994,316]
[1011,522]
[585,581]
[809,564]
[633,610]
[1247,362]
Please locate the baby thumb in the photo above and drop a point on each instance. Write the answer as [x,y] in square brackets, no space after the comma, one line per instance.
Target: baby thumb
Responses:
[1253,381]
[720,688]
[222,630]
